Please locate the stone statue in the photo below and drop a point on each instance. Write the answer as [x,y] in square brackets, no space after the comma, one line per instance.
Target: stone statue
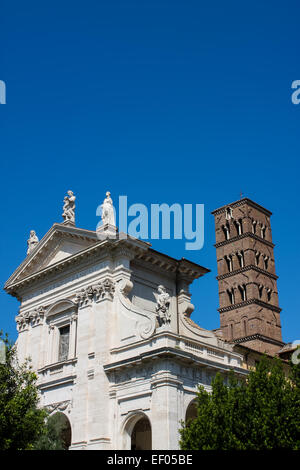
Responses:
[69,208]
[32,241]
[108,215]
[163,304]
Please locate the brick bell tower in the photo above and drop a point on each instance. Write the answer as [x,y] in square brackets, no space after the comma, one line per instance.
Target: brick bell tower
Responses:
[249,310]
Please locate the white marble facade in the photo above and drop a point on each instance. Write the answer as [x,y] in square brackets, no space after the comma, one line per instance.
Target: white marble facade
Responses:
[107,326]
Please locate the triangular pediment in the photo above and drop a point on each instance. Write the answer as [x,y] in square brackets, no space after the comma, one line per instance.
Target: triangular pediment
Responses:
[65,249]
[59,243]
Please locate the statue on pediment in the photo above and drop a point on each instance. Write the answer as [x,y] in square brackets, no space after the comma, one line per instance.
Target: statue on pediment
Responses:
[32,241]
[69,208]
[108,215]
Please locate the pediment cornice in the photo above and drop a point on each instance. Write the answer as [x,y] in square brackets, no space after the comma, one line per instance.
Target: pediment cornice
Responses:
[47,247]
[181,267]
[109,247]
[37,265]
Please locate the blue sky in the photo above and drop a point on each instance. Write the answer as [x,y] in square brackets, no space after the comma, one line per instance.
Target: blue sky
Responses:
[162,101]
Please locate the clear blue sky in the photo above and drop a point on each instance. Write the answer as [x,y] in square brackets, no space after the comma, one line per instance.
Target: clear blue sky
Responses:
[162,101]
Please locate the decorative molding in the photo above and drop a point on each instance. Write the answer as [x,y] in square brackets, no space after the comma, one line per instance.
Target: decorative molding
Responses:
[257,336]
[244,235]
[104,290]
[242,202]
[56,231]
[249,302]
[12,287]
[178,355]
[59,406]
[66,281]
[247,268]
[32,318]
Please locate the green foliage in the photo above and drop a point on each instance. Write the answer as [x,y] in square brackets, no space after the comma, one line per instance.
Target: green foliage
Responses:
[21,421]
[259,413]
[53,434]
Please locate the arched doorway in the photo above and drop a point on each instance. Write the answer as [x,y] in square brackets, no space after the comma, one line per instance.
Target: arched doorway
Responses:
[60,422]
[137,433]
[191,412]
[141,435]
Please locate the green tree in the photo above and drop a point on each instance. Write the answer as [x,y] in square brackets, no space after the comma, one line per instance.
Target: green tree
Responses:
[261,412]
[54,435]
[22,422]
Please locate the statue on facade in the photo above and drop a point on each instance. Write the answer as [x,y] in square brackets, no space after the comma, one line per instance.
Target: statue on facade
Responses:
[32,241]
[108,215]
[163,304]
[69,208]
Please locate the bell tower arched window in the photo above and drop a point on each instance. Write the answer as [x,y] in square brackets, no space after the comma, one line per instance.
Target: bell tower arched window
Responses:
[240,255]
[266,262]
[239,226]
[243,292]
[226,230]
[269,294]
[230,293]
[228,259]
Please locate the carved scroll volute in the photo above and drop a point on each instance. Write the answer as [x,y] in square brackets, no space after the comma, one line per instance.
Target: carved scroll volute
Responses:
[185,307]
[145,322]
[125,287]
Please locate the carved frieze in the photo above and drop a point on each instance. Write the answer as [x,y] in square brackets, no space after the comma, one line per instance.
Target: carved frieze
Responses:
[32,318]
[104,290]
[59,406]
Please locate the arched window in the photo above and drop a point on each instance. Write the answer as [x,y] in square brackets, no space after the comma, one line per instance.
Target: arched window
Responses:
[266,261]
[231,330]
[254,226]
[239,226]
[243,293]
[228,259]
[269,293]
[228,213]
[245,321]
[226,230]
[230,293]
[240,255]
[260,290]
[263,231]
[257,256]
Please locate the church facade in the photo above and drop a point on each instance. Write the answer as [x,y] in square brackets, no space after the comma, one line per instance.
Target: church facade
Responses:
[107,324]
